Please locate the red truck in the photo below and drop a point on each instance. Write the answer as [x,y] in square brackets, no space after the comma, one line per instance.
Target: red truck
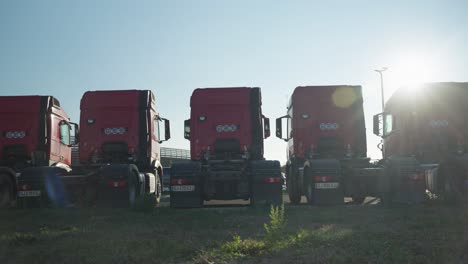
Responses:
[226,130]
[119,151]
[35,131]
[327,154]
[429,123]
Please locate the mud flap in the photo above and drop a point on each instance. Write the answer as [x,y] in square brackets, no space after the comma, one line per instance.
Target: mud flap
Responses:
[267,182]
[119,185]
[45,187]
[325,175]
[186,185]
[402,182]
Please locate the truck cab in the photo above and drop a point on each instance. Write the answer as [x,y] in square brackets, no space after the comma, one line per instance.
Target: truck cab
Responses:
[121,127]
[226,121]
[324,122]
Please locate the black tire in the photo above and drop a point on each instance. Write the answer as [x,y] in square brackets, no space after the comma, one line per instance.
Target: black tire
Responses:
[132,190]
[158,190]
[293,187]
[6,191]
[309,187]
[310,193]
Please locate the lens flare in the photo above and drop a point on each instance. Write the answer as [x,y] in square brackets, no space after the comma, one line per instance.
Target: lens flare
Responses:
[344,97]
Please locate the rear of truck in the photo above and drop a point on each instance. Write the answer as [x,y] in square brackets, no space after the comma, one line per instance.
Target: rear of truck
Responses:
[118,153]
[327,158]
[226,132]
[119,149]
[18,139]
[433,128]
[326,140]
[35,137]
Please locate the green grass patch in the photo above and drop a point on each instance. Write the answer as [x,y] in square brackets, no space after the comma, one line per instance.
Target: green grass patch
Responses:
[291,234]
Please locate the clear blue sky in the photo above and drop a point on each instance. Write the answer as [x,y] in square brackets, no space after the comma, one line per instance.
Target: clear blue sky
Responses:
[64,48]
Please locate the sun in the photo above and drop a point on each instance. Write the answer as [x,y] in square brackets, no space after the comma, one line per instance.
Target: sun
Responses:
[412,69]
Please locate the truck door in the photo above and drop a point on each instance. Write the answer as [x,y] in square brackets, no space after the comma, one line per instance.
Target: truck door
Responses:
[65,143]
[54,139]
[155,137]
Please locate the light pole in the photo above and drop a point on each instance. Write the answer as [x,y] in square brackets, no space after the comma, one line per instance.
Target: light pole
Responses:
[380,71]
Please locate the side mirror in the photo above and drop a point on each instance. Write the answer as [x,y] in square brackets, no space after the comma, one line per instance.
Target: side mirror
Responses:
[266,127]
[279,128]
[187,129]
[167,129]
[279,132]
[377,124]
[384,124]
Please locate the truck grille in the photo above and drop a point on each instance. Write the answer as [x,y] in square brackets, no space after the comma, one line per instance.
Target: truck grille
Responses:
[115,152]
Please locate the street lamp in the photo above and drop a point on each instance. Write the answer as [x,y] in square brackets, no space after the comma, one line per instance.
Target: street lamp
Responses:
[380,71]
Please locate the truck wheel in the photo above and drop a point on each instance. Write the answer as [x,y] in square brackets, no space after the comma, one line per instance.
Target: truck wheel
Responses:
[309,187]
[132,190]
[6,191]
[158,190]
[310,193]
[293,187]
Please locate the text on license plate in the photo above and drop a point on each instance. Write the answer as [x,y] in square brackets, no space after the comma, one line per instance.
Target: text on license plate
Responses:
[183,188]
[327,185]
[29,193]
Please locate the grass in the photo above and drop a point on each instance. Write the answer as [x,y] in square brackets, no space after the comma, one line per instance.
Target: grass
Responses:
[295,234]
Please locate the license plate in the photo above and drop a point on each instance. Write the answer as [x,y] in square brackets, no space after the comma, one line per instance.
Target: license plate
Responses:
[183,188]
[29,193]
[327,185]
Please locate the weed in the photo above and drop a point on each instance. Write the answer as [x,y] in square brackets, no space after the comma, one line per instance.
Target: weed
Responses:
[275,229]
[247,247]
